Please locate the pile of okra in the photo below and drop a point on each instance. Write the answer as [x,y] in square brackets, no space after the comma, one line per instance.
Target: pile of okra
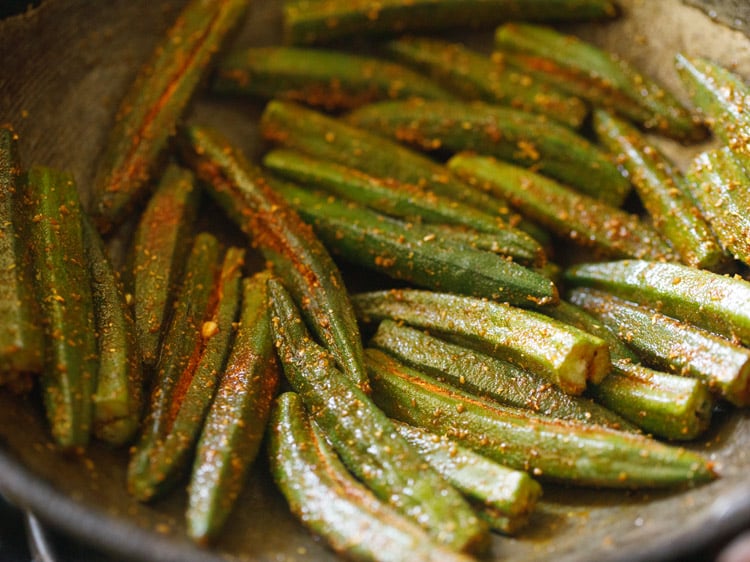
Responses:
[413,420]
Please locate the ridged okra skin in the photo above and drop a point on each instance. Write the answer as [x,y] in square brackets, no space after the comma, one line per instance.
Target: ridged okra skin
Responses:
[285,240]
[159,248]
[590,223]
[231,435]
[475,76]
[600,77]
[307,22]
[154,103]
[718,303]
[21,337]
[672,345]
[118,398]
[365,438]
[330,502]
[325,78]
[292,126]
[565,355]
[63,289]
[528,140]
[563,451]
[661,404]
[662,189]
[486,376]
[722,97]
[718,182]
[415,252]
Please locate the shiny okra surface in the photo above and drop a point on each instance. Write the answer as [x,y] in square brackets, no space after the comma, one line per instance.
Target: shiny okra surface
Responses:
[492,369]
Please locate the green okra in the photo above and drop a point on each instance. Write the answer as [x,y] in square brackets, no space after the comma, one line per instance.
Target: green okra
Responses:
[475,76]
[511,493]
[565,355]
[672,345]
[118,397]
[662,190]
[718,183]
[661,404]
[285,240]
[236,422]
[21,337]
[718,303]
[522,249]
[292,126]
[550,449]
[330,502]
[486,376]
[179,354]
[154,103]
[319,77]
[365,438]
[416,253]
[582,219]
[307,21]
[158,254]
[528,140]
[597,76]
[63,289]
[721,97]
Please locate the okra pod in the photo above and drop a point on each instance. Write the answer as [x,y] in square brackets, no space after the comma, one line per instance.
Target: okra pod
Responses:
[118,397]
[236,422]
[511,493]
[154,103]
[293,126]
[285,240]
[663,192]
[414,252]
[718,182]
[179,355]
[486,376]
[550,449]
[525,139]
[721,97]
[598,76]
[664,405]
[718,303]
[329,79]
[565,355]
[307,21]
[672,345]
[475,76]
[365,438]
[159,248]
[63,289]
[21,337]
[584,220]
[329,501]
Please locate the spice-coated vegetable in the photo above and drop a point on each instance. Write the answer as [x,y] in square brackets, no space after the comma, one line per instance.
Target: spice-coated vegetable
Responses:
[365,438]
[586,455]
[565,355]
[154,103]
[331,502]
[474,76]
[236,421]
[578,217]
[715,302]
[523,138]
[324,78]
[415,252]
[285,240]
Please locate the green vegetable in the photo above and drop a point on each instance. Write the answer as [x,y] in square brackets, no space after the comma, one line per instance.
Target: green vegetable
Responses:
[563,451]
[566,356]
[365,438]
